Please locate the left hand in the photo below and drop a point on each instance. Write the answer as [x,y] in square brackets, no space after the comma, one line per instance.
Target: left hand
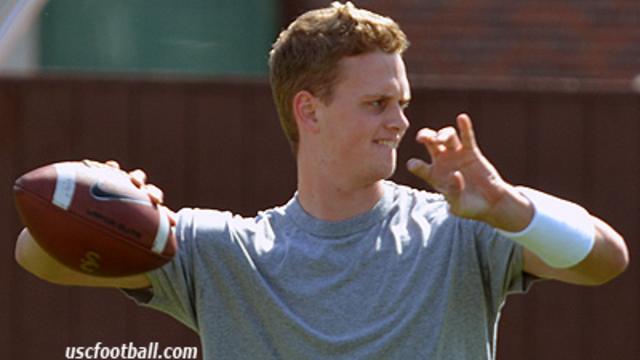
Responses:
[471,185]
[474,189]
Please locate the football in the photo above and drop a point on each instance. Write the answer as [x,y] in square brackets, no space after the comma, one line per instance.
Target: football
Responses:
[93,219]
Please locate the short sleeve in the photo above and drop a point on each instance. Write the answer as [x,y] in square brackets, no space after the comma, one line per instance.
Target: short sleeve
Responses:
[502,265]
[172,285]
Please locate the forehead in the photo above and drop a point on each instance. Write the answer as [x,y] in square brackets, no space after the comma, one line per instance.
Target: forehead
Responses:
[376,73]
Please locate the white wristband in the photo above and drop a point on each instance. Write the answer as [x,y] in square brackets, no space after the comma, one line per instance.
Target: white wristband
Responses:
[561,233]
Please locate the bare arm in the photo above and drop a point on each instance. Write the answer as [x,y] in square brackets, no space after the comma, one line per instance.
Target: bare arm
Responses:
[473,188]
[36,261]
[608,258]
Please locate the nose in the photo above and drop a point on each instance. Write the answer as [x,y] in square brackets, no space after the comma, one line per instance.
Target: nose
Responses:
[398,121]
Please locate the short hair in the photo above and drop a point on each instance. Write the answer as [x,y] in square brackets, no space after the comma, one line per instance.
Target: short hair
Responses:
[306,54]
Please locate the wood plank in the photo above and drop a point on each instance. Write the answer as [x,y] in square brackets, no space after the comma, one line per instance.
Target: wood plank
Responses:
[558,126]
[46,135]
[502,134]
[157,140]
[615,316]
[218,175]
[272,165]
[100,115]
[9,118]
[156,143]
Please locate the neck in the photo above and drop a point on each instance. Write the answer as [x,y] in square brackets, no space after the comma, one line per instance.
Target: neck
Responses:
[332,198]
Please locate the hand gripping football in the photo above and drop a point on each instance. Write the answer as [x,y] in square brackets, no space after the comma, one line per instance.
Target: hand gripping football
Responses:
[93,219]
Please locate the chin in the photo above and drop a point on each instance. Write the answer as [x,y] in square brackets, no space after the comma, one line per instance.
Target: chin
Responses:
[391,166]
[380,169]
[391,172]
[383,173]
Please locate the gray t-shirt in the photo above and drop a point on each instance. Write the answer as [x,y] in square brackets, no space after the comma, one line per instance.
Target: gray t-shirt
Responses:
[406,280]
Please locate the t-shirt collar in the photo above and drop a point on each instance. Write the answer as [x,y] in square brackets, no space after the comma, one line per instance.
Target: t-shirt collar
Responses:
[334,229]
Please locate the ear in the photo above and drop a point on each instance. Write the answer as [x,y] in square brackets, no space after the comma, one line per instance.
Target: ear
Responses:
[304,110]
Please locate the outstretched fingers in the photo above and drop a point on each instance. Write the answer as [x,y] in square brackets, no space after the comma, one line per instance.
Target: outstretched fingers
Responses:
[467,135]
[443,140]
[449,150]
[420,169]
[449,138]
[450,184]
[427,137]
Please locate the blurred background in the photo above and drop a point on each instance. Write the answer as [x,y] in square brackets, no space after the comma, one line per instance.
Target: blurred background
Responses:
[141,37]
[466,43]
[180,89]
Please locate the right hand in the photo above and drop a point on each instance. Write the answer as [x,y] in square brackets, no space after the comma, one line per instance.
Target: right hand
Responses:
[156,195]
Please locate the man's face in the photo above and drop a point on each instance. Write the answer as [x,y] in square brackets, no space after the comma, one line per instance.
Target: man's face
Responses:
[364,122]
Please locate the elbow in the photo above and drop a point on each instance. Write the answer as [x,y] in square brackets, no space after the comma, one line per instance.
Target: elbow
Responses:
[617,263]
[621,260]
[606,276]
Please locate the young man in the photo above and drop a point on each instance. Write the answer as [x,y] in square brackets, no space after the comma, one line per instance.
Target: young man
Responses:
[355,266]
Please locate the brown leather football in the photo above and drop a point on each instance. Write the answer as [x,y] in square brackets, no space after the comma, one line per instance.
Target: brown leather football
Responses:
[92,218]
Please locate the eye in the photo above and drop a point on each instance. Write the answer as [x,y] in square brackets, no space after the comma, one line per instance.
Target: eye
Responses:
[379,103]
[404,105]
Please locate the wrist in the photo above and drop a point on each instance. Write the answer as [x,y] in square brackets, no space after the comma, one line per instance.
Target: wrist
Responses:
[512,211]
[561,233]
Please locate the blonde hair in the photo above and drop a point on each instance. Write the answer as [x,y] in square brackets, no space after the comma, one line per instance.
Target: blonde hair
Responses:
[306,54]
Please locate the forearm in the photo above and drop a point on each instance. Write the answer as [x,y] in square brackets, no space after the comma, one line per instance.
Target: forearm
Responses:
[592,252]
[608,258]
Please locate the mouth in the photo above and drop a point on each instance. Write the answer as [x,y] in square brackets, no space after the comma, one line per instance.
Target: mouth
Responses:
[392,144]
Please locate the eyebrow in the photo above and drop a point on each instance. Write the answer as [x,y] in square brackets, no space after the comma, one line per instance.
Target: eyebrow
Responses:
[386,96]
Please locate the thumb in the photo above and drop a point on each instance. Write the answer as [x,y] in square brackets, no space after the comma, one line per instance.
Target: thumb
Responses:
[420,169]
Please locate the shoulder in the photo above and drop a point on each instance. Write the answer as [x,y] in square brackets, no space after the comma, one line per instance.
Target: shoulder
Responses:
[206,225]
[433,207]
[200,224]
[416,200]
[405,192]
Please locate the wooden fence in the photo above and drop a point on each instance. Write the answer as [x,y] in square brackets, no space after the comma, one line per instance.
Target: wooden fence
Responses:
[218,144]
